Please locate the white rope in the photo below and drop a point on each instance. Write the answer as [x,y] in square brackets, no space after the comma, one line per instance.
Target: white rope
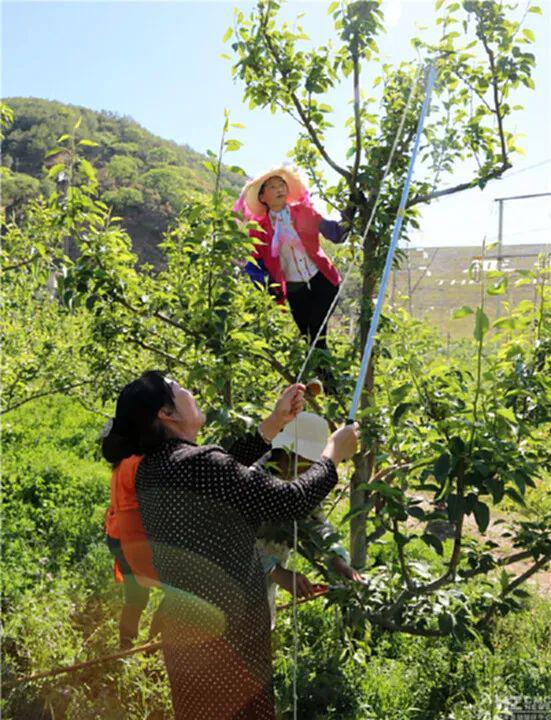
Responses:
[309,355]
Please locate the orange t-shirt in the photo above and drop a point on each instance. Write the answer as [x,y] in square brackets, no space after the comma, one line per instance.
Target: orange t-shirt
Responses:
[123,521]
[123,493]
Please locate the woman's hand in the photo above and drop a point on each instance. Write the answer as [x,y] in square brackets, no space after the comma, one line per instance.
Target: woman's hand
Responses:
[284,578]
[342,568]
[342,444]
[289,405]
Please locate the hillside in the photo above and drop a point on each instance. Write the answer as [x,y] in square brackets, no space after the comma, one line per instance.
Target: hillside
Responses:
[144,178]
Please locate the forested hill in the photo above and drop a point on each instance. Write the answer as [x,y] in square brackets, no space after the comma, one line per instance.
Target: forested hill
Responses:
[144,178]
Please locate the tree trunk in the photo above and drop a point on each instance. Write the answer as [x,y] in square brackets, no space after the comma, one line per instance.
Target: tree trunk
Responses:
[364,463]
[365,460]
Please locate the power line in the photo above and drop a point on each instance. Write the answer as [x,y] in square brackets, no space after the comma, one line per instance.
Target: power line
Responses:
[530,167]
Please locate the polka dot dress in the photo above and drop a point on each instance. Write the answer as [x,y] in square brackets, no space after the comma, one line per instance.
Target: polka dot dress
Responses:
[201,507]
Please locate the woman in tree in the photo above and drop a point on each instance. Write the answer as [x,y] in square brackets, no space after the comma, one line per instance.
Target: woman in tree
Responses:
[289,249]
[200,508]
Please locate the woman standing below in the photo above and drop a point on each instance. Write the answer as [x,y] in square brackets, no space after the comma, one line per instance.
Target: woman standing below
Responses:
[200,507]
[289,249]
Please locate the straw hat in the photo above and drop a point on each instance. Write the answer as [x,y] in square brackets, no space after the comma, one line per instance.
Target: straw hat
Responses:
[297,188]
[306,436]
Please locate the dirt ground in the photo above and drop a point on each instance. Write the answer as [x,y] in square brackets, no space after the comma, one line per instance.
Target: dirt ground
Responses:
[541,580]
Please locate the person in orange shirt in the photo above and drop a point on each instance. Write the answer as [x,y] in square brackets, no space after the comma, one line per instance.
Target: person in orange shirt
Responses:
[127,542]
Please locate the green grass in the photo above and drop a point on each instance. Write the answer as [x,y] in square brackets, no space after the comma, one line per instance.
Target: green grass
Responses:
[61,606]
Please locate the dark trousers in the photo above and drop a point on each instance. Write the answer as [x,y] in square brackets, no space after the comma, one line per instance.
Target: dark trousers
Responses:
[135,600]
[309,306]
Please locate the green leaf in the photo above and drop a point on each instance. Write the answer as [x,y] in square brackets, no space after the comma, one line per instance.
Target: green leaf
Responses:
[399,411]
[520,483]
[446,623]
[510,323]
[507,414]
[482,515]
[232,145]
[385,490]
[434,542]
[331,9]
[87,169]
[62,138]
[481,325]
[535,9]
[237,170]
[88,143]
[399,393]
[496,488]
[55,151]
[55,170]
[227,35]
[438,4]
[455,507]
[456,445]
[462,312]
[416,512]
[77,124]
[529,34]
[515,495]
[442,467]
[499,287]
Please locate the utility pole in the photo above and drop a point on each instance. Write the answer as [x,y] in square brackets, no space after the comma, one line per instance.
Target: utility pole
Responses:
[499,258]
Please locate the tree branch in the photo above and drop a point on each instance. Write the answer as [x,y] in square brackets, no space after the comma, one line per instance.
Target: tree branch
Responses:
[401,556]
[416,199]
[15,266]
[409,593]
[301,111]
[502,562]
[497,103]
[315,179]
[357,119]
[154,350]
[511,586]
[44,393]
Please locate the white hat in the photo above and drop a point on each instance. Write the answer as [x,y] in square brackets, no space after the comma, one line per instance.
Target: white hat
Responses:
[306,436]
[295,184]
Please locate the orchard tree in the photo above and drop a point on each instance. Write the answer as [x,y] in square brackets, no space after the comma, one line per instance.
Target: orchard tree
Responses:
[472,433]
[481,57]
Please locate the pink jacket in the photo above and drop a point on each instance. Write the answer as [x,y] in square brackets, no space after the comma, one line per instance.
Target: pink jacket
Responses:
[306,222]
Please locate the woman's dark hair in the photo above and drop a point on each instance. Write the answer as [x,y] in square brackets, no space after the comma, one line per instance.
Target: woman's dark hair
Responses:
[136,429]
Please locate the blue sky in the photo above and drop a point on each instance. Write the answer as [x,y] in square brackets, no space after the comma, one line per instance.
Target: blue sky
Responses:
[159,62]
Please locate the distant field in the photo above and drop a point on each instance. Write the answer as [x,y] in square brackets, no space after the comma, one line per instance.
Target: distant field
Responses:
[437,282]
[440,283]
